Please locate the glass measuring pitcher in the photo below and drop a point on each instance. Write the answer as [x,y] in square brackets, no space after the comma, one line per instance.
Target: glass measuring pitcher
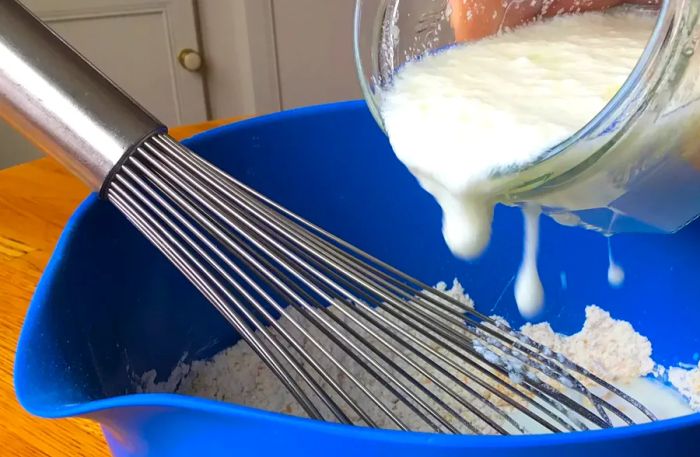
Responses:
[634,167]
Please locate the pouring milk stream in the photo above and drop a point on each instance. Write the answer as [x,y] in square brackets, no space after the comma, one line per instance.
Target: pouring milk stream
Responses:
[461,116]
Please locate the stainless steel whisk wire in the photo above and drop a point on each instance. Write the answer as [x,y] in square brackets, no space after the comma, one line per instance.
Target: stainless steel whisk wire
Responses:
[353,339]
[238,219]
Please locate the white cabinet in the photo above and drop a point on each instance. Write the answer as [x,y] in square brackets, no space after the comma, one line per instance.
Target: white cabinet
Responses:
[266,55]
[137,44]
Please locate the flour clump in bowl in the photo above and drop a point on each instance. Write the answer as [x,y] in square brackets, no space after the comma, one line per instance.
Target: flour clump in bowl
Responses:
[609,348]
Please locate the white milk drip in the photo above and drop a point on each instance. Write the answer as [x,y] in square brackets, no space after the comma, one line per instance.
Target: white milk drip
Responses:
[457,117]
[529,293]
[616,275]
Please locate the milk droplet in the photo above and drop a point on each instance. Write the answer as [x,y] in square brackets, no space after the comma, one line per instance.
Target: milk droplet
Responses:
[616,275]
[529,293]
[466,226]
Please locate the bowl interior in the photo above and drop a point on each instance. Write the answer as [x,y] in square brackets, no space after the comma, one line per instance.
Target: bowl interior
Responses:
[110,307]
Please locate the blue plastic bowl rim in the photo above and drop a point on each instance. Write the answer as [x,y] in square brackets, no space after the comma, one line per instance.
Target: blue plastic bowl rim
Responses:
[202,405]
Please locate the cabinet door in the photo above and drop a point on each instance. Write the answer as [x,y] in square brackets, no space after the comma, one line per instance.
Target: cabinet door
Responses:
[136,43]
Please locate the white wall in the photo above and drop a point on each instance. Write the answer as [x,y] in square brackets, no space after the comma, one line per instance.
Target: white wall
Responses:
[314,49]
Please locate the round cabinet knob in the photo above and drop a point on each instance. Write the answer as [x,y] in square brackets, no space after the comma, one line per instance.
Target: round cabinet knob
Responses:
[190,60]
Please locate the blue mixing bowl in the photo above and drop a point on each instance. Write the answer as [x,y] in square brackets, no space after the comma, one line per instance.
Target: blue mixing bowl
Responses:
[109,305]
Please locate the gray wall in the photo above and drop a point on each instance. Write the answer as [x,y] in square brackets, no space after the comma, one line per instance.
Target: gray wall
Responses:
[314,51]
[14,148]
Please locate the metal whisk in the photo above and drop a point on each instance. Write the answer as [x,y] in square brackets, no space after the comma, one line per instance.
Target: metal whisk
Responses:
[353,339]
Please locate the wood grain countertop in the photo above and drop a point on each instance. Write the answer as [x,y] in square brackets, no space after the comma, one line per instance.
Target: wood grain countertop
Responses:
[36,200]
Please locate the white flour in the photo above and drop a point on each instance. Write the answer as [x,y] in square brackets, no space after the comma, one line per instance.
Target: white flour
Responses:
[688,383]
[458,117]
[607,347]
[238,375]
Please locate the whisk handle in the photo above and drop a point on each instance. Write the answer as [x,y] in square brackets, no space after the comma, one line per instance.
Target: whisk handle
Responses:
[62,103]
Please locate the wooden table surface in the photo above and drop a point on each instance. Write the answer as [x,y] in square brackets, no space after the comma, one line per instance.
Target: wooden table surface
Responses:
[36,200]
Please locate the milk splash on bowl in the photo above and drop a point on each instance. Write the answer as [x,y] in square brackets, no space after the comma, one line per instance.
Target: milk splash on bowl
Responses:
[464,115]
